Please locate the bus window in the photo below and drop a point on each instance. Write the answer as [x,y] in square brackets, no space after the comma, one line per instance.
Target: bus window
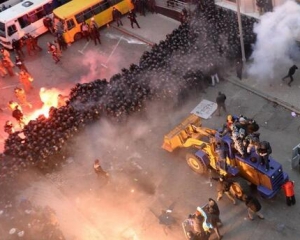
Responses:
[70,24]
[24,21]
[100,7]
[2,29]
[114,2]
[48,8]
[79,18]
[40,13]
[88,14]
[11,29]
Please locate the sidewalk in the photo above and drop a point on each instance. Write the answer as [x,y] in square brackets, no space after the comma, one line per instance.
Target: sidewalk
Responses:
[154,27]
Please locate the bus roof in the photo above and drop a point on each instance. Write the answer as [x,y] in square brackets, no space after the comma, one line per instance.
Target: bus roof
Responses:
[19,9]
[73,7]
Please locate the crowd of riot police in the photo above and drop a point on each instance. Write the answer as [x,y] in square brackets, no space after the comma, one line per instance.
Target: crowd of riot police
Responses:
[172,69]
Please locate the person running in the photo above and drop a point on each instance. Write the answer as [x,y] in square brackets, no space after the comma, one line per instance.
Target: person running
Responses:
[290,74]
[53,50]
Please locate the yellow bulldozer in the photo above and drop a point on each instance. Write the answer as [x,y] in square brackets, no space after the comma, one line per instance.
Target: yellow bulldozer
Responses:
[204,142]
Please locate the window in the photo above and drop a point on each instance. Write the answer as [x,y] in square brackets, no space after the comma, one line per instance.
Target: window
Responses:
[24,21]
[48,8]
[79,18]
[11,29]
[70,24]
[88,14]
[114,2]
[2,29]
[100,7]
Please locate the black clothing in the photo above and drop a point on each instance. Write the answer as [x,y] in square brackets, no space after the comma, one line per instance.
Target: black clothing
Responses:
[221,98]
[239,69]
[253,203]
[264,150]
[132,18]
[291,72]
[95,34]
[17,114]
[117,16]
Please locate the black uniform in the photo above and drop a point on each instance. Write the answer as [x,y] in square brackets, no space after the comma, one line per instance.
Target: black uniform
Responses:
[132,18]
[264,150]
[291,72]
[221,98]
[117,16]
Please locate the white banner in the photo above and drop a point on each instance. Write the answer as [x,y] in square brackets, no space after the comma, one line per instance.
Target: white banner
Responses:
[205,109]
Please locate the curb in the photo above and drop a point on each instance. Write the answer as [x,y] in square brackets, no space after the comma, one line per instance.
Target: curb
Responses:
[133,35]
[265,96]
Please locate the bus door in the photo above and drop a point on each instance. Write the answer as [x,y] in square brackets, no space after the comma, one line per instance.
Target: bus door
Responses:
[72,31]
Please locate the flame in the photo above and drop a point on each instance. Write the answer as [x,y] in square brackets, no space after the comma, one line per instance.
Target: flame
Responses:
[49,97]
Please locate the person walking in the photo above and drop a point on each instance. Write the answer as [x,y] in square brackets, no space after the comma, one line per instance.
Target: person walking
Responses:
[239,69]
[25,80]
[213,74]
[197,221]
[253,206]
[21,96]
[221,98]
[7,65]
[99,170]
[290,74]
[53,50]
[223,186]
[20,64]
[3,71]
[85,29]
[116,14]
[19,116]
[95,34]
[17,47]
[132,18]
[6,55]
[288,188]
[213,211]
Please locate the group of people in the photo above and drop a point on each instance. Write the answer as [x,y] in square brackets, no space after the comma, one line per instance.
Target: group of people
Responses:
[244,134]
[207,218]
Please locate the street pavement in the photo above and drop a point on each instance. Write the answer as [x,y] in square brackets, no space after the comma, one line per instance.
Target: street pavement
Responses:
[144,179]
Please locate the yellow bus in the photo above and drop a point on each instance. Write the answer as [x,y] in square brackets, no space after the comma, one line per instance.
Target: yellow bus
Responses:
[74,13]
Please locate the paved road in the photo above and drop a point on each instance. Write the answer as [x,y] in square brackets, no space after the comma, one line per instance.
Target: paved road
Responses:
[144,179]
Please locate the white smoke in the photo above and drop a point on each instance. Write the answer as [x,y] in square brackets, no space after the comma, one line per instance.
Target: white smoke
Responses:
[275,48]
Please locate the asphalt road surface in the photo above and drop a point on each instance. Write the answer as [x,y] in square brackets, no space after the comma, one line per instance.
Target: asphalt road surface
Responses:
[144,179]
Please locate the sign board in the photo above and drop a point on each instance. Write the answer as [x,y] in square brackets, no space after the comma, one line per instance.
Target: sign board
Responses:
[296,156]
[205,109]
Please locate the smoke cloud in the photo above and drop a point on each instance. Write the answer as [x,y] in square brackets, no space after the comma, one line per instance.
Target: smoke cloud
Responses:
[275,48]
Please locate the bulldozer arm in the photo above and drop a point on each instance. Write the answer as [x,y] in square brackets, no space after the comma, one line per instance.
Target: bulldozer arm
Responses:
[183,131]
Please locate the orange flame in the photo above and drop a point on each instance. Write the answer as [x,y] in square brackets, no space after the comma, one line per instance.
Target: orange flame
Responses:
[49,97]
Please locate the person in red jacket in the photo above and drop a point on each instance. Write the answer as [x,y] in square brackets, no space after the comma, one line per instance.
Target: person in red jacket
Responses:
[288,188]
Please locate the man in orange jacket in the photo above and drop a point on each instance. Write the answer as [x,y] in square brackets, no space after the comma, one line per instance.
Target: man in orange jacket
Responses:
[288,188]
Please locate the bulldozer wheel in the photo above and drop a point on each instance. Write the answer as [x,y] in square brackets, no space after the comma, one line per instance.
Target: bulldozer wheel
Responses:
[236,190]
[196,163]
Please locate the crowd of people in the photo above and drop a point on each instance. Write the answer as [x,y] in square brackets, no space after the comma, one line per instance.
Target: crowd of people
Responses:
[172,69]
[23,220]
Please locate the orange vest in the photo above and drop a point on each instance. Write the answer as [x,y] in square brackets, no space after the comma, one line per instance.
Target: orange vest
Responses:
[288,189]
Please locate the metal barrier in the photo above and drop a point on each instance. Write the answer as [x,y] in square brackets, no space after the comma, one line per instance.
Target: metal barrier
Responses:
[295,157]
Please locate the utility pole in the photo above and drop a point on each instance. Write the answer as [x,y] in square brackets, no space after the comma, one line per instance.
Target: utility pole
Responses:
[241,31]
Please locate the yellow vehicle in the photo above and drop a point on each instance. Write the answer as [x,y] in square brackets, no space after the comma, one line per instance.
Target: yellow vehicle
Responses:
[74,13]
[204,154]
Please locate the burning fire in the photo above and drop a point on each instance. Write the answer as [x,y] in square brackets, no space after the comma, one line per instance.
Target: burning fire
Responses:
[49,97]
